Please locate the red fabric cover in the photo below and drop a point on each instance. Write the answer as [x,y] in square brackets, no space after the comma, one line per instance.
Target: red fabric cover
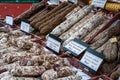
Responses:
[13,9]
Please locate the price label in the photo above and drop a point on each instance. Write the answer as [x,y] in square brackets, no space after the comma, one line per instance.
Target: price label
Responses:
[100,79]
[119,78]
[53,43]
[76,47]
[74,1]
[9,20]
[113,40]
[99,3]
[25,26]
[63,0]
[53,2]
[115,1]
[92,60]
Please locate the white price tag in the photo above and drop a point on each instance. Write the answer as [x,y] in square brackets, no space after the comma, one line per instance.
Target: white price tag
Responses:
[92,61]
[119,78]
[99,3]
[100,79]
[76,47]
[53,44]
[9,20]
[53,2]
[115,1]
[64,0]
[74,1]
[26,27]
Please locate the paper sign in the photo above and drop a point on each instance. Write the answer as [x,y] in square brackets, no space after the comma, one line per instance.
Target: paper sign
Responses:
[115,1]
[53,2]
[25,26]
[76,47]
[99,3]
[83,75]
[113,40]
[74,1]
[92,59]
[80,72]
[63,0]
[9,20]
[53,43]
[100,79]
[119,78]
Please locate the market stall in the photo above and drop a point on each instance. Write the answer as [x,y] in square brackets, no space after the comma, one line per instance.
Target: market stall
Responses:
[62,40]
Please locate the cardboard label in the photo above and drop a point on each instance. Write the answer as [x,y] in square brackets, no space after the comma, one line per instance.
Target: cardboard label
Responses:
[53,2]
[114,0]
[64,0]
[83,75]
[100,79]
[53,43]
[119,78]
[76,47]
[9,20]
[99,3]
[25,26]
[92,60]
[80,72]
[74,1]
[113,40]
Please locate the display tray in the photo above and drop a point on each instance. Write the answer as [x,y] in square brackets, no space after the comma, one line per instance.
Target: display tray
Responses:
[74,61]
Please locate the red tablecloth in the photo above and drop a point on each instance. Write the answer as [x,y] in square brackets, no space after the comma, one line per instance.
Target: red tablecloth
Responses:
[13,9]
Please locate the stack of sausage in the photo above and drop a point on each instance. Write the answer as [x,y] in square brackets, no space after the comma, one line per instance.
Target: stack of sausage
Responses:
[27,14]
[44,18]
[80,23]
[73,17]
[27,60]
[85,28]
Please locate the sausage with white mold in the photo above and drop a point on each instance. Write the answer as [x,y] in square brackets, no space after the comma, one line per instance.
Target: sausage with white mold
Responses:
[75,27]
[94,21]
[27,71]
[95,30]
[67,24]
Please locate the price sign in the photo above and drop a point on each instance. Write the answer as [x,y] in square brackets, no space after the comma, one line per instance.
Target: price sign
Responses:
[53,2]
[9,20]
[100,79]
[25,26]
[92,60]
[113,40]
[119,78]
[63,0]
[74,1]
[76,47]
[99,3]
[115,1]
[53,43]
